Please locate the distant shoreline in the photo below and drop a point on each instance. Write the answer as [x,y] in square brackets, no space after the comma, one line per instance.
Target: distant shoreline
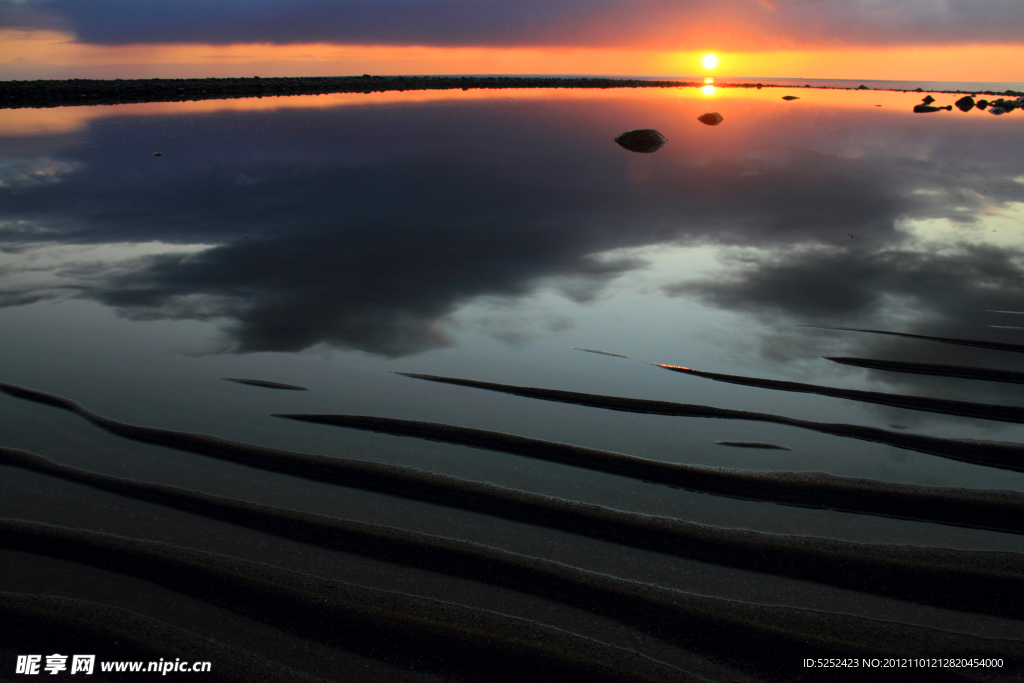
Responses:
[91,92]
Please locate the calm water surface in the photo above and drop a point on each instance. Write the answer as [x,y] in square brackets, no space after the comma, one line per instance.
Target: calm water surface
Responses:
[331,241]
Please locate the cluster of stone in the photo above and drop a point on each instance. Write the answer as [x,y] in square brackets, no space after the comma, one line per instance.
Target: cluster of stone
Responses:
[967,103]
[1001,106]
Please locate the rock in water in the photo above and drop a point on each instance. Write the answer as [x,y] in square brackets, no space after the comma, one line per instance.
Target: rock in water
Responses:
[712,118]
[965,103]
[925,109]
[928,100]
[645,140]
[791,97]
[997,111]
[982,104]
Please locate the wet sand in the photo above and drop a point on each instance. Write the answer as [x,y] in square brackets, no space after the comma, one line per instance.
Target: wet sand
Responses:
[1002,455]
[980,509]
[646,608]
[984,411]
[66,625]
[604,353]
[998,346]
[970,581]
[418,633]
[265,384]
[960,371]
[710,626]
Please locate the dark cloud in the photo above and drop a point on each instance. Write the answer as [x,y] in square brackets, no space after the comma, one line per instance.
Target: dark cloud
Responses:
[367,227]
[667,24]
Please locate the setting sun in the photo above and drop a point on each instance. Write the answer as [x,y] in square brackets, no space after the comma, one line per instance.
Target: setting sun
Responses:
[709,61]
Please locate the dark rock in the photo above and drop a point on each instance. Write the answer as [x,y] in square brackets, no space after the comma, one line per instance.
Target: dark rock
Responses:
[712,118]
[997,111]
[862,87]
[965,103]
[982,104]
[791,97]
[644,140]
[158,154]
[928,100]
[925,109]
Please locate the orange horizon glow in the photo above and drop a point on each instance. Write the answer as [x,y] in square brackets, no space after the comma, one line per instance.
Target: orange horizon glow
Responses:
[60,120]
[27,55]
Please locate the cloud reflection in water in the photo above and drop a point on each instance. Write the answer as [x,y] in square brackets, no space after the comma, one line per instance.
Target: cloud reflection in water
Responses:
[368,228]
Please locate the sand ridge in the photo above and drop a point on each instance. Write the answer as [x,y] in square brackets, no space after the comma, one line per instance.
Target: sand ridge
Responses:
[425,634]
[1002,455]
[984,411]
[980,509]
[960,371]
[984,582]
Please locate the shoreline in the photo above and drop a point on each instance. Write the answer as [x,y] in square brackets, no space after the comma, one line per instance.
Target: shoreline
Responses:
[42,94]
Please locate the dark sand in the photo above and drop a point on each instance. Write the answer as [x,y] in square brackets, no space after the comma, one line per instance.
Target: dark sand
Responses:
[709,626]
[418,633]
[961,371]
[265,384]
[29,623]
[1002,455]
[980,509]
[648,608]
[753,444]
[604,353]
[971,581]
[998,346]
[984,411]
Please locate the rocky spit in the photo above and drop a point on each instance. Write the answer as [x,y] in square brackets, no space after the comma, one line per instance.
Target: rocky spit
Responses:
[19,94]
[77,92]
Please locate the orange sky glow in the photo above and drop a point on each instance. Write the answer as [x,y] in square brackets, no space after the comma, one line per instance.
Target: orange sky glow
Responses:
[26,55]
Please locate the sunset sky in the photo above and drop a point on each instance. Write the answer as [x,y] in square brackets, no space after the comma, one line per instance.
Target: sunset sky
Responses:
[929,40]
